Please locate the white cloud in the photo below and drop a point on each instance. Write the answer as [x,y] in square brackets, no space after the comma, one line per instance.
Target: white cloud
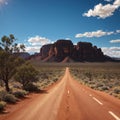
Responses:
[98,33]
[111,51]
[103,11]
[35,43]
[32,49]
[115,41]
[108,0]
[117,31]
[67,39]
[37,40]
[117,3]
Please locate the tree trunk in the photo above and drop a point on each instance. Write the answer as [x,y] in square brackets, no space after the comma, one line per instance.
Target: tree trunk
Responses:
[1,83]
[7,86]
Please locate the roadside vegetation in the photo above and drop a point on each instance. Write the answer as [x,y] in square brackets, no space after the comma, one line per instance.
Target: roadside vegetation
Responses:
[29,79]
[18,77]
[99,76]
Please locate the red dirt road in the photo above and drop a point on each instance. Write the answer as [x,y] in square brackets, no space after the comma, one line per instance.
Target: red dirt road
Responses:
[67,100]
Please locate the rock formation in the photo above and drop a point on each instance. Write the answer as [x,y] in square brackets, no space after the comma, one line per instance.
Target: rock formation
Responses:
[65,51]
[87,52]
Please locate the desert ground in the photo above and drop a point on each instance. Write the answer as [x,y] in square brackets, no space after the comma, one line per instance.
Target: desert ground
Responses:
[69,98]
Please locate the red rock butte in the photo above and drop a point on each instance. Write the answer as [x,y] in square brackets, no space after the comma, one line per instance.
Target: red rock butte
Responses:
[65,51]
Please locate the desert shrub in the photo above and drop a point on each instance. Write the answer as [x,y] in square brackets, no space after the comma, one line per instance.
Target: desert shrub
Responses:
[17,86]
[2,94]
[55,79]
[91,82]
[116,83]
[99,85]
[10,98]
[115,95]
[2,105]
[88,75]
[104,88]
[117,90]
[26,75]
[86,81]
[32,87]
[110,85]
[20,93]
[93,86]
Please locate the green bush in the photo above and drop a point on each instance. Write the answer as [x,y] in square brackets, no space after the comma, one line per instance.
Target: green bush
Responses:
[32,88]
[20,93]
[2,95]
[26,74]
[10,98]
[2,105]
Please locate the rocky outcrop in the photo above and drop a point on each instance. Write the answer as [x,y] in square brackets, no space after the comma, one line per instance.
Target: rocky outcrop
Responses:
[44,51]
[64,51]
[87,52]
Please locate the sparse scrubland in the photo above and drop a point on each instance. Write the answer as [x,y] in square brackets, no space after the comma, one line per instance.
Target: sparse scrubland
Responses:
[47,74]
[99,76]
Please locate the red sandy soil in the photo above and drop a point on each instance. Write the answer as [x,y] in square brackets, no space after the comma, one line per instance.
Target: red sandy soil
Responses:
[66,100]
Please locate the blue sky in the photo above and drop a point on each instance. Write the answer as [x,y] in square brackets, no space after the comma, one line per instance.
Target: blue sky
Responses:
[38,22]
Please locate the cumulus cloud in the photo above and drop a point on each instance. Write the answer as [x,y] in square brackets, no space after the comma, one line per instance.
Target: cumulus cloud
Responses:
[111,51]
[115,41]
[98,33]
[32,49]
[37,40]
[103,11]
[117,31]
[108,0]
[35,43]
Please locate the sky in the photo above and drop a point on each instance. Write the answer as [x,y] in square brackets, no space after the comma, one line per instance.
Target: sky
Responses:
[38,22]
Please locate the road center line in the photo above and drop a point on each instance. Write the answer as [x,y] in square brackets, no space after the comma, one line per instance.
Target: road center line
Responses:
[116,117]
[90,95]
[97,101]
[68,91]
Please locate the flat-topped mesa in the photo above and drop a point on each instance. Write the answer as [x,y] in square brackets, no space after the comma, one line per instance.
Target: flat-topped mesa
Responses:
[87,52]
[62,49]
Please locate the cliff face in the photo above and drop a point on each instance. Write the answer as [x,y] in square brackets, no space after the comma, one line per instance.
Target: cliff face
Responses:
[87,52]
[44,51]
[61,50]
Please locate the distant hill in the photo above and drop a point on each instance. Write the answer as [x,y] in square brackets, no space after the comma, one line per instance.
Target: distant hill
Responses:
[116,59]
[65,51]
[23,55]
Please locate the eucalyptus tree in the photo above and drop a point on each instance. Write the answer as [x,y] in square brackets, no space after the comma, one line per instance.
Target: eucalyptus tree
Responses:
[9,62]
